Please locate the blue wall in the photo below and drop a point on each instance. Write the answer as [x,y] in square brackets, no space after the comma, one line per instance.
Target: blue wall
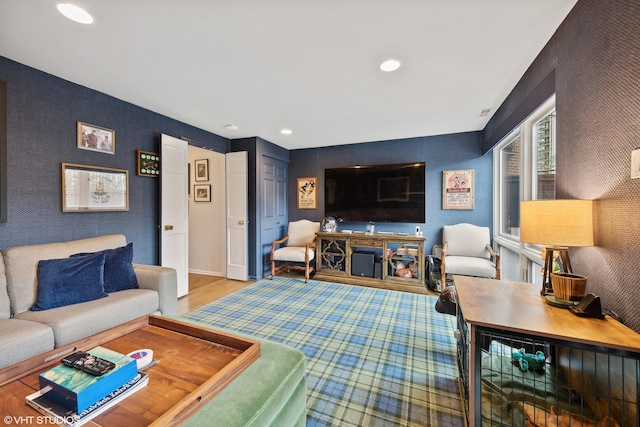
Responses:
[42,111]
[443,152]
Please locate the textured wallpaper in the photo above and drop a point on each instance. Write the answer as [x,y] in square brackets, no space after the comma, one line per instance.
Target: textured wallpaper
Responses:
[42,111]
[598,104]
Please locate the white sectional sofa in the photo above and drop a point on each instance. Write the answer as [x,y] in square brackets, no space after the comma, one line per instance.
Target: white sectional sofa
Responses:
[25,333]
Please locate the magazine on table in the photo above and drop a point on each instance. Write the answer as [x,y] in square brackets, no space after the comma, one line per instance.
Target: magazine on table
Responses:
[66,417]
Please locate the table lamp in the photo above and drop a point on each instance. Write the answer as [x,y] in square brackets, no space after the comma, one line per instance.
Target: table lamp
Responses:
[557,225]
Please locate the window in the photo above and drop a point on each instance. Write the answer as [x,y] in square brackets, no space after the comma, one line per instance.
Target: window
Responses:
[524,165]
[510,168]
[545,145]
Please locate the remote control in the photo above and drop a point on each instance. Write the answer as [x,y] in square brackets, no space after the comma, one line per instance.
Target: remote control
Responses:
[88,363]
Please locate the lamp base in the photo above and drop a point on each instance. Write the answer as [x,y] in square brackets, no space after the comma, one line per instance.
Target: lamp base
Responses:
[555,302]
[547,287]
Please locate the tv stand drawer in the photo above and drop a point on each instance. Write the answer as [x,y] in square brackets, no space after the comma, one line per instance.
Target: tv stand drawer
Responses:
[364,242]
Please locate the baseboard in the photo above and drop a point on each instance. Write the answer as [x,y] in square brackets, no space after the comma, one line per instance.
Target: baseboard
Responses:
[206,273]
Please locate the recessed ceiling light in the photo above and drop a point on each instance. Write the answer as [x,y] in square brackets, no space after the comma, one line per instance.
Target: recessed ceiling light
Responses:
[75,13]
[231,127]
[286,131]
[390,65]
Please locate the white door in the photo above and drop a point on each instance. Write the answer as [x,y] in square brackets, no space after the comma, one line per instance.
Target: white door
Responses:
[237,180]
[174,209]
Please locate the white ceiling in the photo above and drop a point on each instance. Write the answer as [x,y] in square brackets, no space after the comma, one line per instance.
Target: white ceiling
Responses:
[310,66]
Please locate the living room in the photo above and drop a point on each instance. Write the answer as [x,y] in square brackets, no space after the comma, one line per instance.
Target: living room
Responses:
[595,85]
[593,62]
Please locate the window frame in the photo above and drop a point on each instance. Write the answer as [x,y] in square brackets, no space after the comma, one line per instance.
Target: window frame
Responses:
[529,254]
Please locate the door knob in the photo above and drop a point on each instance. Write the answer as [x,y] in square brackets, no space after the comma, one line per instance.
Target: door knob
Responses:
[241,222]
[168,227]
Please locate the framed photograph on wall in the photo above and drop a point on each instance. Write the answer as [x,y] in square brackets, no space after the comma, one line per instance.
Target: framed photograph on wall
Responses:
[458,189]
[96,138]
[202,193]
[202,170]
[3,151]
[635,163]
[307,194]
[148,163]
[94,188]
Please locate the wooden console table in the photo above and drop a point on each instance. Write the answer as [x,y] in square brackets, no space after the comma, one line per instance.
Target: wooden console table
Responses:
[515,312]
[334,252]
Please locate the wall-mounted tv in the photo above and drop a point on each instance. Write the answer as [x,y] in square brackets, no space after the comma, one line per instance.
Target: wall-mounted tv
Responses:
[380,193]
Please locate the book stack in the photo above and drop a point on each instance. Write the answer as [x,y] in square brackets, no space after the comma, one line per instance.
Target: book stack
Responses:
[72,397]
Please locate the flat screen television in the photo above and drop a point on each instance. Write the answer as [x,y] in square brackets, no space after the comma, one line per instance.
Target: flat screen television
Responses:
[380,193]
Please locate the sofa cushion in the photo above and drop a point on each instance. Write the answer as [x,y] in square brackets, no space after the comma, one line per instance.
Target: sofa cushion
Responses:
[466,266]
[118,270]
[69,281]
[22,339]
[21,263]
[5,307]
[74,322]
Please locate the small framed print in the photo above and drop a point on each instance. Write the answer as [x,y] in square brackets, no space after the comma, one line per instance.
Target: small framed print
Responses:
[458,189]
[202,193]
[202,170]
[96,138]
[307,193]
[148,163]
[635,163]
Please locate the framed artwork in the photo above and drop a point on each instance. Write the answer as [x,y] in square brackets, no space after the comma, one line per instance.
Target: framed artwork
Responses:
[148,163]
[458,189]
[94,189]
[3,151]
[635,163]
[96,138]
[202,193]
[307,194]
[202,170]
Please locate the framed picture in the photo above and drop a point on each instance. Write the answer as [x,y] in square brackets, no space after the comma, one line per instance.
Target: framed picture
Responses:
[202,193]
[3,151]
[96,138]
[148,163]
[307,194]
[202,170]
[94,189]
[458,189]
[635,163]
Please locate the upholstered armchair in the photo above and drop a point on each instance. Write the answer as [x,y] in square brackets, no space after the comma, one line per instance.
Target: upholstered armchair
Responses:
[300,248]
[467,250]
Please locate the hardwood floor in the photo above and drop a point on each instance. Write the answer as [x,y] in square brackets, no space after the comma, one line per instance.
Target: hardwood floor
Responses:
[204,289]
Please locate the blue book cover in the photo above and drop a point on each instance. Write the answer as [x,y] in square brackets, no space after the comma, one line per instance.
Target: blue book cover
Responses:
[66,417]
[78,390]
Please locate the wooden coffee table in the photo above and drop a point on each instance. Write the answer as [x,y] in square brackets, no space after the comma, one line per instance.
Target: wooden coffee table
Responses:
[194,364]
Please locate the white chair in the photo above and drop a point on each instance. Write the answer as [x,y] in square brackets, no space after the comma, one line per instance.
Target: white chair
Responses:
[300,248]
[467,250]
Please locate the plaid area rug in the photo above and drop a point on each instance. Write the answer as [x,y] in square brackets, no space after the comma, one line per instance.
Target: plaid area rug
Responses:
[374,357]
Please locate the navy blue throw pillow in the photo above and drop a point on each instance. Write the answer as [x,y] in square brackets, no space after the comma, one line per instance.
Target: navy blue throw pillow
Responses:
[69,281]
[118,270]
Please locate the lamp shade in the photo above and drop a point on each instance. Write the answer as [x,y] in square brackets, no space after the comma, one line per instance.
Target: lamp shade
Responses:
[557,222]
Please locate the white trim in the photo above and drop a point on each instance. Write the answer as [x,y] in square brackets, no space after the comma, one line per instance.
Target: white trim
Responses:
[527,190]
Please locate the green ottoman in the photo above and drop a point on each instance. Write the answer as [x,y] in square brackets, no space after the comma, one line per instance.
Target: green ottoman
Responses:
[270,392]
